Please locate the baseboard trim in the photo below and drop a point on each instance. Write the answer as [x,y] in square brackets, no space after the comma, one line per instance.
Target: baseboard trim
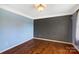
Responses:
[14,46]
[52,40]
[40,39]
[75,47]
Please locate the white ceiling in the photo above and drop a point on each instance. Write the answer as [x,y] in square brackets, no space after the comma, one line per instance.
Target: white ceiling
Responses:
[51,10]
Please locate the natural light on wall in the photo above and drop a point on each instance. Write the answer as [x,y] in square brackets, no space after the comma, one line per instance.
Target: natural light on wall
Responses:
[40,7]
[77,28]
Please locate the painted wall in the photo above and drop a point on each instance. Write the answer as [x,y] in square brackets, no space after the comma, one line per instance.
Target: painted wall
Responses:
[74,21]
[55,28]
[14,29]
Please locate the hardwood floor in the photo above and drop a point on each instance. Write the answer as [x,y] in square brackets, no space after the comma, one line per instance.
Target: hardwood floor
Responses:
[42,47]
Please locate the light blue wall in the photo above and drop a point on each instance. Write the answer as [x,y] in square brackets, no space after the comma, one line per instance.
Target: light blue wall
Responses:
[14,29]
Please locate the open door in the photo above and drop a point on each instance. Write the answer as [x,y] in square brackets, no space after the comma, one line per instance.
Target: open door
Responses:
[75,30]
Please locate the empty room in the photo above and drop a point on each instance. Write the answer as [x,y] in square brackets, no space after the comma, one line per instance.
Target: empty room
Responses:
[39,28]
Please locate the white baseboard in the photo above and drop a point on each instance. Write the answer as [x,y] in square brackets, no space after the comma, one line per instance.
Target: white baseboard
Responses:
[52,40]
[76,47]
[57,41]
[14,45]
[38,39]
[41,39]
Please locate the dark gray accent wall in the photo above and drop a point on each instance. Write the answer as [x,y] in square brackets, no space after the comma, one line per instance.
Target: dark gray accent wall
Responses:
[54,28]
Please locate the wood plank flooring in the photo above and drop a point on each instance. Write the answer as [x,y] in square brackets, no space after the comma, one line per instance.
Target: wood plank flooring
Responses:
[35,46]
